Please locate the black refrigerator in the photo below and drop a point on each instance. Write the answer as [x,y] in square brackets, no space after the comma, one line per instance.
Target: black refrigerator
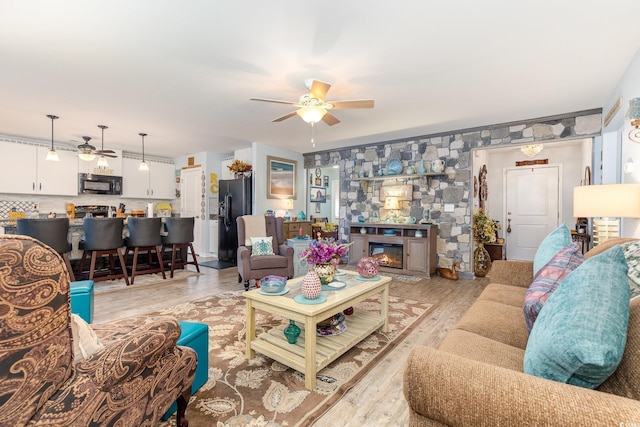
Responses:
[235,201]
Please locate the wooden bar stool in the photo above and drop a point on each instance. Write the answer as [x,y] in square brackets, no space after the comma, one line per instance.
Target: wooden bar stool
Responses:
[144,236]
[52,232]
[180,237]
[103,236]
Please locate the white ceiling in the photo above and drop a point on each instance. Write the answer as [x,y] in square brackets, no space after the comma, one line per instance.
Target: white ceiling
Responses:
[183,71]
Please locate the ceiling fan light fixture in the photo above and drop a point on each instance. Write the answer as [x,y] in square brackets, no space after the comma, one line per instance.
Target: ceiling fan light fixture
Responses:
[311,114]
[52,155]
[87,157]
[531,149]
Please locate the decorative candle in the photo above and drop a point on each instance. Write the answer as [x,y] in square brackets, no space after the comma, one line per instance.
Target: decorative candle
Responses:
[300,231]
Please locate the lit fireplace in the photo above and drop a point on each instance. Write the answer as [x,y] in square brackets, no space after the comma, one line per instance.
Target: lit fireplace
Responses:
[387,254]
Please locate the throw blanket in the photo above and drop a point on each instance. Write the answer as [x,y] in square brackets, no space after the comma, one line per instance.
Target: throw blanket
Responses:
[254,226]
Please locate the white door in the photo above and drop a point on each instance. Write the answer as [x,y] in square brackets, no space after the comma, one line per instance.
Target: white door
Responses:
[532,208]
[190,198]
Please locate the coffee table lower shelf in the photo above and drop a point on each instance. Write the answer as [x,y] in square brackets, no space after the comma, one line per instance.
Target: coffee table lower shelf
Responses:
[274,344]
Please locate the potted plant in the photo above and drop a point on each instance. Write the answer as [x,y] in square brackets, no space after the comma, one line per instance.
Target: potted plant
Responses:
[485,230]
[239,168]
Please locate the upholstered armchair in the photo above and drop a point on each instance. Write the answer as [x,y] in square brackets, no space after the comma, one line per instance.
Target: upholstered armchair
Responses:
[258,262]
[132,378]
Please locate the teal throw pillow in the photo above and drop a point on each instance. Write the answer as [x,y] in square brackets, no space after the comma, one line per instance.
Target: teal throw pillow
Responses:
[580,333]
[551,245]
[631,252]
[261,246]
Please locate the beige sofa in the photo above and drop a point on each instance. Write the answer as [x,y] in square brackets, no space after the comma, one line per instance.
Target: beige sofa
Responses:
[476,375]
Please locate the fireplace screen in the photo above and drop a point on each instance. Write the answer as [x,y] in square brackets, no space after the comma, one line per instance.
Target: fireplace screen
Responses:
[387,254]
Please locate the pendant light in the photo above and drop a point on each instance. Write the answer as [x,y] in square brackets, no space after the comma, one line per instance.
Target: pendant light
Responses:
[143,165]
[52,156]
[102,161]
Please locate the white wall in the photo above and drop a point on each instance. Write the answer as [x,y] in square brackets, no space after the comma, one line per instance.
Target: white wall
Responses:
[628,87]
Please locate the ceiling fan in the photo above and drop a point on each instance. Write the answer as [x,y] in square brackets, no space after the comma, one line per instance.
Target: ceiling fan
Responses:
[312,107]
[88,152]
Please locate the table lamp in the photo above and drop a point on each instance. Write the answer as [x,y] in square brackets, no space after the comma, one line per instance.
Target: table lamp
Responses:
[609,202]
[288,204]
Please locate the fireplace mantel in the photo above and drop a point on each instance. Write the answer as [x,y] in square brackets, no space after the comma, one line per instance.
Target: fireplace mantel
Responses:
[419,252]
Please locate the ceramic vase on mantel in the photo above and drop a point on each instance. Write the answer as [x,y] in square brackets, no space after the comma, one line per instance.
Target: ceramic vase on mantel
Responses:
[422,169]
[311,285]
[326,271]
[481,261]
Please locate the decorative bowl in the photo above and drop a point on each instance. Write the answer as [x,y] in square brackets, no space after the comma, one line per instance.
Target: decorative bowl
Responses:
[273,284]
[394,167]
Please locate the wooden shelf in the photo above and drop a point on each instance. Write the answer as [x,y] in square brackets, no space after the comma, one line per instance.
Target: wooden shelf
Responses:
[364,181]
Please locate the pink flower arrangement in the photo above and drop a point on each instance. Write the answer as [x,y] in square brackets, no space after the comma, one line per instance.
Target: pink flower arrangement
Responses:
[324,250]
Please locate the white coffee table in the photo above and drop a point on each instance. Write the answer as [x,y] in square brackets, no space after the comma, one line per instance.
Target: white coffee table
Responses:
[311,353]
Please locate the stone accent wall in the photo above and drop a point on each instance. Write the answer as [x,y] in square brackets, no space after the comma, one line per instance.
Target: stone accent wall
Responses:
[454,187]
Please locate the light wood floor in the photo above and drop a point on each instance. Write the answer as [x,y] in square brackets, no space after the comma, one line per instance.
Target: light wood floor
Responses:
[377,400]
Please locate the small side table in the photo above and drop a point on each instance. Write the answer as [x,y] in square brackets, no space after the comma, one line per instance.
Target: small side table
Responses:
[496,251]
[300,266]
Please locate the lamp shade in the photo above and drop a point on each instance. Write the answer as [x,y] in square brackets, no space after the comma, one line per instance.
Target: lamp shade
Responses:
[608,200]
[288,203]
[391,202]
[311,114]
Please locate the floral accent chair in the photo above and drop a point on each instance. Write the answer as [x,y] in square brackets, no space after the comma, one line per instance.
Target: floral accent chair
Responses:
[131,381]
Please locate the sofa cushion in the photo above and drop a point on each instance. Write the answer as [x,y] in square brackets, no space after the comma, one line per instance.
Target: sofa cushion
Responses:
[579,336]
[261,246]
[500,322]
[505,294]
[548,279]
[482,349]
[551,245]
[631,252]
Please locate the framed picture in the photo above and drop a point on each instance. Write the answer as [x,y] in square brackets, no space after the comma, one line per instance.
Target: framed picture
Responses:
[326,181]
[281,178]
[318,195]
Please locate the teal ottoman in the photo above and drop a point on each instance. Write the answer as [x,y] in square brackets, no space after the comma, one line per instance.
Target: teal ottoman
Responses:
[195,336]
[82,299]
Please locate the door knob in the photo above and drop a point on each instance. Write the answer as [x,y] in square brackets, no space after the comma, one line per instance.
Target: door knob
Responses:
[509,225]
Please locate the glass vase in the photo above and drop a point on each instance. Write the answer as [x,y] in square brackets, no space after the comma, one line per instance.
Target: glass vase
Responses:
[292,331]
[481,261]
[326,271]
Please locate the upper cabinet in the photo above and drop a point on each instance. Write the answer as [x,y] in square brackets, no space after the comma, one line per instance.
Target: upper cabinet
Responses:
[156,183]
[25,170]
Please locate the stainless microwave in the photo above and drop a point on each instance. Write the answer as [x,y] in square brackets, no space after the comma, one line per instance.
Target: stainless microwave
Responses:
[99,184]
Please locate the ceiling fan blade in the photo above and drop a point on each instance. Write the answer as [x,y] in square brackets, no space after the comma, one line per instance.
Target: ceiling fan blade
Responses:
[277,101]
[286,116]
[113,156]
[105,152]
[360,103]
[319,89]
[330,119]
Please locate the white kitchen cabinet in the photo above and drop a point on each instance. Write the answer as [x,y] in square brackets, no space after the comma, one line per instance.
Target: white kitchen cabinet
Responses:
[25,170]
[156,183]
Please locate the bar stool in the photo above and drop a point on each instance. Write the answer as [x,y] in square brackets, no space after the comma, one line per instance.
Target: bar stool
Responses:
[52,232]
[103,236]
[180,236]
[144,236]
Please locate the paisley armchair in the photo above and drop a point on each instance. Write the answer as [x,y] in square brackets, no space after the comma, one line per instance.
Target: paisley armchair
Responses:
[132,380]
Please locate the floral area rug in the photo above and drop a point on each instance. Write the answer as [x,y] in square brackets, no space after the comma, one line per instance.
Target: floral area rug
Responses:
[263,392]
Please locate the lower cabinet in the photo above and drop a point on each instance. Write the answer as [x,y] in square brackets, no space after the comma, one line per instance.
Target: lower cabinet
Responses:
[399,248]
[292,229]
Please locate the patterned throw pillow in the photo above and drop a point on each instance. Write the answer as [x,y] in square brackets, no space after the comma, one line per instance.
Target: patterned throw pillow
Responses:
[580,335]
[548,279]
[631,251]
[551,245]
[261,246]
